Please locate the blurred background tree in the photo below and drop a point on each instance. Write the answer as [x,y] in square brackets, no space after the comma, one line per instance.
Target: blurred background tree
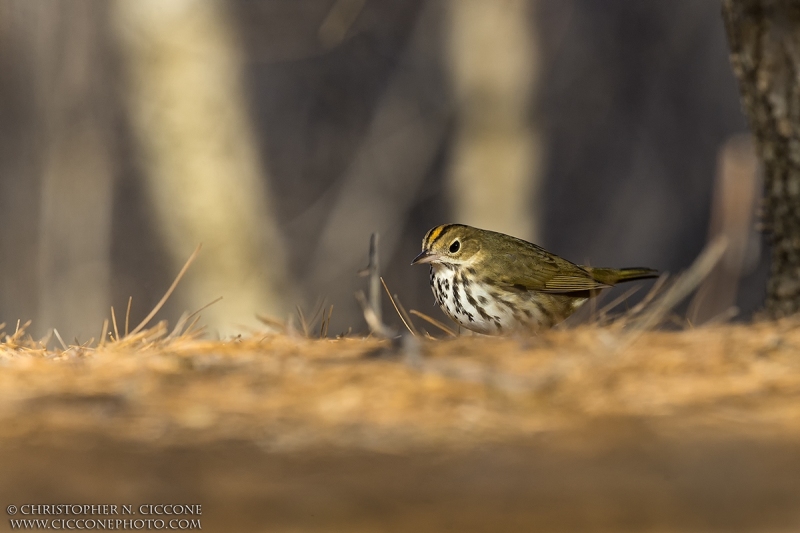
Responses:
[281,133]
[496,158]
[764,37]
[60,158]
[204,177]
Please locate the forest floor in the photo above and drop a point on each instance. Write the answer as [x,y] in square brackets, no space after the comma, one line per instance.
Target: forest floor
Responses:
[585,429]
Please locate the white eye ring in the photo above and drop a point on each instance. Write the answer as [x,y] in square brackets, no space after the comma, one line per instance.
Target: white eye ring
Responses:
[455,246]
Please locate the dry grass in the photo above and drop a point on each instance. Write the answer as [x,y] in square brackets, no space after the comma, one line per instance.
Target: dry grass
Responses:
[289,391]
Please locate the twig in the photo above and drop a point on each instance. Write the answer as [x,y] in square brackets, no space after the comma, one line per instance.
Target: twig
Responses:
[375,325]
[372,309]
[373,271]
[374,276]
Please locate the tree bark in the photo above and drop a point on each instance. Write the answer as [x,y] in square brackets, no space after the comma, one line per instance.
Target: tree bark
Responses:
[764,38]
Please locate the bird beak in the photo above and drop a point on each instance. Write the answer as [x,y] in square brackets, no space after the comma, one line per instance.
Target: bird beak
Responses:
[425,256]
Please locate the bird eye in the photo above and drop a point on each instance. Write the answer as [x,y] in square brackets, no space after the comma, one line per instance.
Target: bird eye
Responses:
[455,247]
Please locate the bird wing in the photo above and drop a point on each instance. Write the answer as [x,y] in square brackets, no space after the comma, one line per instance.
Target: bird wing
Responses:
[535,269]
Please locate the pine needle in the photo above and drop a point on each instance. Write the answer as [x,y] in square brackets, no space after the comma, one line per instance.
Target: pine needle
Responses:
[654,291]
[166,296]
[684,285]
[434,322]
[114,321]
[391,299]
[58,336]
[405,315]
[616,301]
[192,324]
[104,332]
[326,322]
[209,304]
[303,322]
[271,322]
[128,314]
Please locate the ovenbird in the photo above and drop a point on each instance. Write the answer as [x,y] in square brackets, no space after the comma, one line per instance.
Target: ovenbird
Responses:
[496,284]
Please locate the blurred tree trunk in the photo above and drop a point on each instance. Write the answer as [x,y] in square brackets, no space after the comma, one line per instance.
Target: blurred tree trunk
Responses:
[19,179]
[733,210]
[60,74]
[76,101]
[206,181]
[495,169]
[764,38]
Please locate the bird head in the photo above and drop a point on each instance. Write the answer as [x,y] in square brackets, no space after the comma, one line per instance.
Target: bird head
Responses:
[453,244]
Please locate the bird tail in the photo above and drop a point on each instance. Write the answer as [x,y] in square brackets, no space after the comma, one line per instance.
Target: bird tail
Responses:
[612,276]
